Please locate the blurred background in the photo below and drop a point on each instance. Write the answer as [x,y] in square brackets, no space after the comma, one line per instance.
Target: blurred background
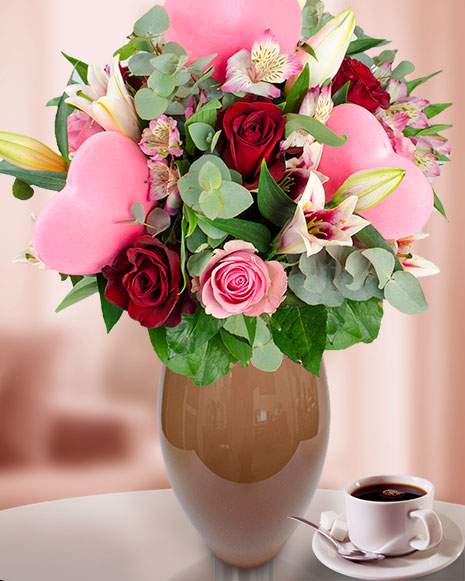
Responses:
[78,407]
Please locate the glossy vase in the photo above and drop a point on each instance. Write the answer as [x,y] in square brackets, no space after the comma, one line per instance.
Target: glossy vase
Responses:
[244,453]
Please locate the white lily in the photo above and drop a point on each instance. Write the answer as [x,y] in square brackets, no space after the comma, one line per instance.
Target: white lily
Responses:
[29,153]
[107,100]
[371,186]
[313,227]
[330,45]
[413,263]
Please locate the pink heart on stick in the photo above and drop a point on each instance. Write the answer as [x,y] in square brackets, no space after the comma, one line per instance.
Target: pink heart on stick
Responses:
[77,231]
[227,26]
[407,209]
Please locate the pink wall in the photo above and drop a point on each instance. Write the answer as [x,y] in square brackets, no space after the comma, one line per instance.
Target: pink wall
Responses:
[397,405]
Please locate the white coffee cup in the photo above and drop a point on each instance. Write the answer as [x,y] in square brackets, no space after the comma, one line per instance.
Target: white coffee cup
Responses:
[393,527]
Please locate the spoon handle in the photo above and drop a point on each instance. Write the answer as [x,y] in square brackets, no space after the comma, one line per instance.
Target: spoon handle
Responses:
[317,528]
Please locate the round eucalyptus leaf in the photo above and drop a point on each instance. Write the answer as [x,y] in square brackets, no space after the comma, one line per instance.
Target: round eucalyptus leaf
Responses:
[149,105]
[404,292]
[154,22]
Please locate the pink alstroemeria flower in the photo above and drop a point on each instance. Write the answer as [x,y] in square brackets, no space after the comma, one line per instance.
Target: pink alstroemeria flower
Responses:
[163,182]
[161,138]
[317,103]
[313,227]
[253,72]
[412,263]
[425,159]
[402,103]
[383,73]
[194,105]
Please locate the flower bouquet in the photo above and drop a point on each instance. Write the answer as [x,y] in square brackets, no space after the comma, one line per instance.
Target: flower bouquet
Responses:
[246,191]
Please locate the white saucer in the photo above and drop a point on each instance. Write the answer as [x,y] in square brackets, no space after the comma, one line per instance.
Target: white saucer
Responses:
[396,568]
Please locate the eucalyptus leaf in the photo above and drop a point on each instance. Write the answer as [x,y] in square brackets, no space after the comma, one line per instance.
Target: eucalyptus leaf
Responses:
[86,287]
[149,105]
[371,238]
[138,212]
[200,132]
[174,48]
[236,200]
[152,23]
[211,203]
[383,263]
[265,356]
[404,292]
[242,326]
[162,84]
[211,231]
[140,64]
[210,177]
[197,263]
[403,69]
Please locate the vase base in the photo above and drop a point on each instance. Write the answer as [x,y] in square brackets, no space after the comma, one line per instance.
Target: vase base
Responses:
[227,572]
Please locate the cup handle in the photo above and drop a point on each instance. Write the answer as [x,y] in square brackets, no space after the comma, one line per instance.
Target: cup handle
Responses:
[433,528]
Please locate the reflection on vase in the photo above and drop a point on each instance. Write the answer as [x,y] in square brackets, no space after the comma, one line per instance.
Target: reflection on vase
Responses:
[243,453]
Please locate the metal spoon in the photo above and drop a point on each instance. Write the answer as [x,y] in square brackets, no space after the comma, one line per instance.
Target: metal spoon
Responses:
[345,552]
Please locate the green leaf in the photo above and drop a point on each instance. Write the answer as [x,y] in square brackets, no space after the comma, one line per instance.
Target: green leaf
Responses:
[239,348]
[200,132]
[79,66]
[111,312]
[435,109]
[371,238]
[174,48]
[242,326]
[404,292]
[210,177]
[253,232]
[273,203]
[353,322]
[49,180]
[149,105]
[192,332]
[21,190]
[154,22]
[53,102]
[439,207]
[207,114]
[61,126]
[432,129]
[319,131]
[412,85]
[340,96]
[193,220]
[301,334]
[83,289]
[298,91]
[212,232]
[363,44]
[140,64]
[403,69]
[211,203]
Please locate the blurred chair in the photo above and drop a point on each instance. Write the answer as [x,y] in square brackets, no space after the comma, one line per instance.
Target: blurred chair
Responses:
[56,446]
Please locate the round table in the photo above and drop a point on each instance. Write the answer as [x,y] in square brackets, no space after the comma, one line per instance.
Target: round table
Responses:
[145,536]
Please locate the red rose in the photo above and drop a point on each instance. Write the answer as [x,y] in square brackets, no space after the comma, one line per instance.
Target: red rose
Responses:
[251,133]
[364,89]
[145,279]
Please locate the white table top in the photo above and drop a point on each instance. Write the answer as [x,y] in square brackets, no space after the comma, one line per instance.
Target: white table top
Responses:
[145,536]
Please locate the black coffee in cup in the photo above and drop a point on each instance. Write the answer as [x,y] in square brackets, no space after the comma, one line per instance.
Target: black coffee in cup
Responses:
[388,492]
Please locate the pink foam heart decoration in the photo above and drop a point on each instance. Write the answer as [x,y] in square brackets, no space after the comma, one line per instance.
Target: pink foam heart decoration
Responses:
[407,209]
[227,26]
[77,231]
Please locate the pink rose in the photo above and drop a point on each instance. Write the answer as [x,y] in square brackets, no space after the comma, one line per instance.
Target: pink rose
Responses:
[80,127]
[237,281]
